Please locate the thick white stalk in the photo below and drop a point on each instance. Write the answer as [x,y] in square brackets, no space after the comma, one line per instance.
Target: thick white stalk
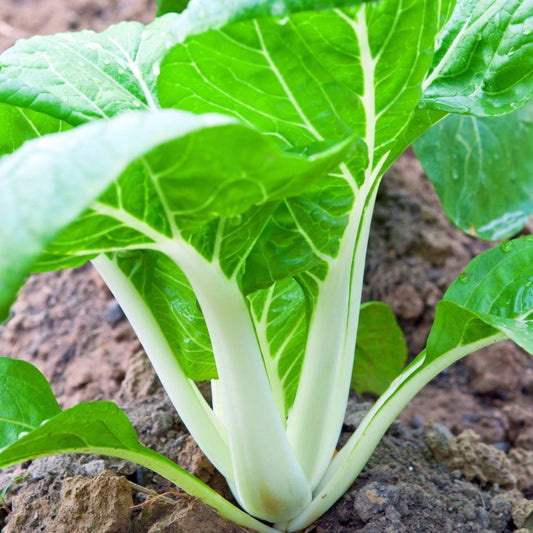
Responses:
[183,393]
[268,480]
[216,400]
[317,415]
[349,462]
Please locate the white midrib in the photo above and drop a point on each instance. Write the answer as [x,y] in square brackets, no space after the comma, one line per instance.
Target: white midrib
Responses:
[137,74]
[196,414]
[317,417]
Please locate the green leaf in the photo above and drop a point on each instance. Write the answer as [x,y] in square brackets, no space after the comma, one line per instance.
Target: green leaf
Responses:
[32,425]
[26,399]
[255,71]
[280,323]
[381,350]
[446,8]
[221,173]
[86,75]
[170,6]
[18,125]
[482,171]
[169,296]
[484,58]
[95,427]
[50,181]
[302,79]
[490,301]
[494,293]
[301,236]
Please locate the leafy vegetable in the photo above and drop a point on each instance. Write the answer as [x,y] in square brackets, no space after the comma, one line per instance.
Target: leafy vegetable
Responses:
[233,227]
[470,161]
[483,59]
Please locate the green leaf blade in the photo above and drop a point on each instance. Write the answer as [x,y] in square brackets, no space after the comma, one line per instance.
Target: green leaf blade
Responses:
[26,400]
[381,350]
[483,64]
[280,322]
[56,191]
[493,294]
[18,125]
[482,171]
[170,6]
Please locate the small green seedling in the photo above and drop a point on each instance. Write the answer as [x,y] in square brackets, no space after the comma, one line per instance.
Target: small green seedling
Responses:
[3,492]
[219,167]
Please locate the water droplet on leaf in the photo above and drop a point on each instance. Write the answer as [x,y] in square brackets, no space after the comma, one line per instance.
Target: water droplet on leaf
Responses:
[464,278]
[506,246]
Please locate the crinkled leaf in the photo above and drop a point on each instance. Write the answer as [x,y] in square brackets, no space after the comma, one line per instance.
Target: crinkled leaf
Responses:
[26,399]
[381,350]
[482,170]
[484,59]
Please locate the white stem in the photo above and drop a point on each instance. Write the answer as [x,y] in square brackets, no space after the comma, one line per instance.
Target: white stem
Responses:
[349,462]
[216,400]
[268,480]
[183,393]
[317,415]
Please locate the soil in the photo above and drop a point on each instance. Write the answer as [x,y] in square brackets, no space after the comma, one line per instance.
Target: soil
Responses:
[459,459]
